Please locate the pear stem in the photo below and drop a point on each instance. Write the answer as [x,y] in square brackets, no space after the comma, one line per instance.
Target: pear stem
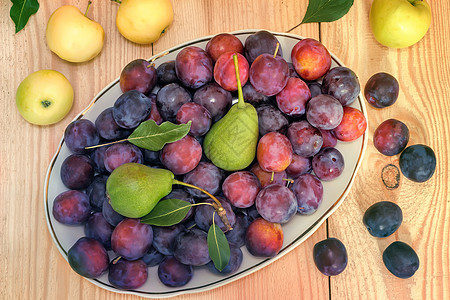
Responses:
[276,50]
[107,144]
[87,8]
[241,103]
[217,205]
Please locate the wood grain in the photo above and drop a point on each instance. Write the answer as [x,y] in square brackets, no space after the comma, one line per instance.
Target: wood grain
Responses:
[421,71]
[31,266]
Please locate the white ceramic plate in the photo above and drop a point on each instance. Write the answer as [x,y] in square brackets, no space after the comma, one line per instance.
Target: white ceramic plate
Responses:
[295,232]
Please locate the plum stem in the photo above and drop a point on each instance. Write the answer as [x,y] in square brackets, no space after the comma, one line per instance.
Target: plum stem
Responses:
[276,50]
[159,56]
[289,181]
[151,61]
[217,205]
[115,260]
[271,177]
[87,8]
[241,103]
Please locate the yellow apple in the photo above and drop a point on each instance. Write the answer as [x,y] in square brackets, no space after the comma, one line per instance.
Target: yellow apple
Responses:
[44,97]
[73,36]
[399,23]
[144,21]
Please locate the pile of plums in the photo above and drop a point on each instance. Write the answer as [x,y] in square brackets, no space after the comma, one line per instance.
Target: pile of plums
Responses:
[303,109]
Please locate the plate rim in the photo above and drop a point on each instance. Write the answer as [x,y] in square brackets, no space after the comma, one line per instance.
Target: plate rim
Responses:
[235,276]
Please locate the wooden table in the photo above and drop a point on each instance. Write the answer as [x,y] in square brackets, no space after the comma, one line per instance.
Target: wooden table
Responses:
[31,266]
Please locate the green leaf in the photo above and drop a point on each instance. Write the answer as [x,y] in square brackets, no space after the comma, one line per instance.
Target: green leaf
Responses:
[218,247]
[167,213]
[150,136]
[21,11]
[326,10]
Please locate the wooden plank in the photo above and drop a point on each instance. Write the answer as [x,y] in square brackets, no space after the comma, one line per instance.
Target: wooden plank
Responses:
[423,72]
[32,267]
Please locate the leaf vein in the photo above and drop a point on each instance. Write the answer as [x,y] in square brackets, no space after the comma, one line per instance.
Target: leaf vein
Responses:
[166,214]
[21,12]
[217,244]
[152,135]
[318,9]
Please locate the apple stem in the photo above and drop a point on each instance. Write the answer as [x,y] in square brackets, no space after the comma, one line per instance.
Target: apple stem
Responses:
[241,103]
[117,1]
[87,8]
[276,50]
[217,205]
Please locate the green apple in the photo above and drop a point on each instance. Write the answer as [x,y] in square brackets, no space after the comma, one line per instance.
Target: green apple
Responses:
[73,36]
[399,23]
[44,97]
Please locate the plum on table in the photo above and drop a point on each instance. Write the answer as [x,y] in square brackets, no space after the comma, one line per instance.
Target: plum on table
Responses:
[418,162]
[401,260]
[330,256]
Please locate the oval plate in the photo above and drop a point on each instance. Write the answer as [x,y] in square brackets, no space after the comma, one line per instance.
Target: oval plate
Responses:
[295,232]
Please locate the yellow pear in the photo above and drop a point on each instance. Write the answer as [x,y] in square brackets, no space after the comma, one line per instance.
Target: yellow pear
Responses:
[73,36]
[144,21]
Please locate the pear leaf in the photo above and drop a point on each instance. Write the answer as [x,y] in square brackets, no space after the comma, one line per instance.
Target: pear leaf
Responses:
[150,136]
[167,212]
[21,11]
[326,10]
[218,247]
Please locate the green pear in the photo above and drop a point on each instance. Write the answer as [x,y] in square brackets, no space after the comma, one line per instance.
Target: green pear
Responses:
[134,189]
[231,142]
